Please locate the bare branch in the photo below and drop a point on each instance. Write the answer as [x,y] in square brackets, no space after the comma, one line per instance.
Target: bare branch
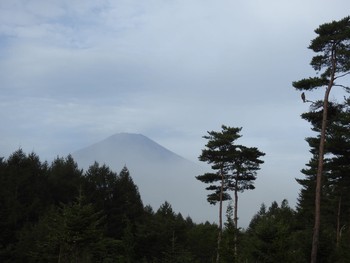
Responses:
[340,76]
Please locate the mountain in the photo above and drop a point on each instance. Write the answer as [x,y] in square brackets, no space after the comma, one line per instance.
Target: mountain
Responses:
[160,174]
[127,149]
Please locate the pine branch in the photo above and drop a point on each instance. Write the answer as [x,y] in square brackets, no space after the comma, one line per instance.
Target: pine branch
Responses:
[347,73]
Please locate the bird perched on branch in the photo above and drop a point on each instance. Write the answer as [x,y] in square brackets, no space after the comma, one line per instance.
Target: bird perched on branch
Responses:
[303,97]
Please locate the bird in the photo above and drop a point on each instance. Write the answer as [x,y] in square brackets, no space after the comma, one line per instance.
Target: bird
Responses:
[303,97]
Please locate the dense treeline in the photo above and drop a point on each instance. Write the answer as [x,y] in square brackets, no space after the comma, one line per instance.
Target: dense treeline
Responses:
[58,213]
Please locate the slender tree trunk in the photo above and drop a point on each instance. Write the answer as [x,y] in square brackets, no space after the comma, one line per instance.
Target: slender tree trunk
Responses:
[235,220]
[220,217]
[338,221]
[173,247]
[218,249]
[316,233]
[59,254]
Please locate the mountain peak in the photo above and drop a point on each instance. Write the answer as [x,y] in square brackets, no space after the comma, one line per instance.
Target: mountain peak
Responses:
[127,149]
[127,135]
[160,174]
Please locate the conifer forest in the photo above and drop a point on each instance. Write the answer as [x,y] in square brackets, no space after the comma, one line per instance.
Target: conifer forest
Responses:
[57,212]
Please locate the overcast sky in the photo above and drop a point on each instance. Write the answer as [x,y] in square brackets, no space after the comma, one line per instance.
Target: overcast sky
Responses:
[73,72]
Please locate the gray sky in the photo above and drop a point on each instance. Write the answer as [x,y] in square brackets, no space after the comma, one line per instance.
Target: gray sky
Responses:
[75,72]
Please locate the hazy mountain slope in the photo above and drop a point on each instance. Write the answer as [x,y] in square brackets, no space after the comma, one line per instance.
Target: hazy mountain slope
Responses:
[124,149]
[160,174]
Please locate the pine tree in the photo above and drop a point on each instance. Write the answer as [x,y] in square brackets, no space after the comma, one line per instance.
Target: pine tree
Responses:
[100,182]
[65,180]
[217,153]
[270,235]
[23,198]
[236,167]
[335,196]
[333,46]
[245,163]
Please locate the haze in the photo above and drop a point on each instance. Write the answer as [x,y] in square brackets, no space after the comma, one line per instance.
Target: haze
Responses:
[75,72]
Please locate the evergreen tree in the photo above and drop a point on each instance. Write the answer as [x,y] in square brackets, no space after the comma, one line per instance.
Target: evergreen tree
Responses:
[201,240]
[335,196]
[69,233]
[23,198]
[147,236]
[229,237]
[218,154]
[100,188]
[65,180]
[236,167]
[270,236]
[126,205]
[100,183]
[333,61]
[245,163]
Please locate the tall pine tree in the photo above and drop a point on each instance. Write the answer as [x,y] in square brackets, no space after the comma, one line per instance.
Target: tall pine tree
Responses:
[235,167]
[335,196]
[332,62]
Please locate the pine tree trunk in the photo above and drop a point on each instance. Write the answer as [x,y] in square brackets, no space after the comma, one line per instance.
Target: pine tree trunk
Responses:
[316,234]
[220,217]
[235,219]
[219,245]
[59,254]
[338,221]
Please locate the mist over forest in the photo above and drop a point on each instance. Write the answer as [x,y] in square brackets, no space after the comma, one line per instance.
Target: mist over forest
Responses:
[239,87]
[57,212]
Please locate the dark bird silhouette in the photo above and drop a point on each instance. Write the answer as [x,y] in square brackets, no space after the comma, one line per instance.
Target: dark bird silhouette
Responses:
[303,97]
